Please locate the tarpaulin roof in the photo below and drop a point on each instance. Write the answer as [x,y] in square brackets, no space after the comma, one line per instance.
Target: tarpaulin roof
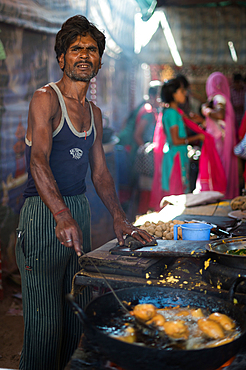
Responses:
[114,18]
[148,6]
[198,3]
[201,35]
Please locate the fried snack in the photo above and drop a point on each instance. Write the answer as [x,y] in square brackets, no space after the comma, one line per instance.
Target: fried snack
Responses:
[211,328]
[223,320]
[220,342]
[197,313]
[158,233]
[183,313]
[157,320]
[176,329]
[144,311]
[129,335]
[239,203]
[161,229]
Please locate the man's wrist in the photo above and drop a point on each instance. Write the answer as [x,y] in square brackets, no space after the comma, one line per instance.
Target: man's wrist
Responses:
[66,209]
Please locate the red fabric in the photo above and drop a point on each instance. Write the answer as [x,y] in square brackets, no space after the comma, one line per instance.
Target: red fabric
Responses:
[176,177]
[144,198]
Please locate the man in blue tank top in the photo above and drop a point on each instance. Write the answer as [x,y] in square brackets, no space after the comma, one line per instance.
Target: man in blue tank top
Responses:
[64,135]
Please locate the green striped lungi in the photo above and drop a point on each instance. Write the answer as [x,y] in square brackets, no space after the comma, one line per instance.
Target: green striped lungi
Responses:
[51,329]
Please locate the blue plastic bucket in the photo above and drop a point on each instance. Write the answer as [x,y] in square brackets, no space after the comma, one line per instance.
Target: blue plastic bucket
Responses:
[193,231]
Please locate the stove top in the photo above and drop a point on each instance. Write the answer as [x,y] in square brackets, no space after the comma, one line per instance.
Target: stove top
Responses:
[86,357]
[222,277]
[191,273]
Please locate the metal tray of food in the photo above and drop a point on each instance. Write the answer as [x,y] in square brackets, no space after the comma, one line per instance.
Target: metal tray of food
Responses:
[230,252]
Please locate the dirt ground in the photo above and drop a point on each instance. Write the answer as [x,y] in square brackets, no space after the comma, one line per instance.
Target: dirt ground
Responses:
[11,323]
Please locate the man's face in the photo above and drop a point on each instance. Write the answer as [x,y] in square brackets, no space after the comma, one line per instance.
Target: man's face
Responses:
[81,61]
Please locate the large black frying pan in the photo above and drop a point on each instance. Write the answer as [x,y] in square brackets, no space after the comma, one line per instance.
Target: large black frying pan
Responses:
[135,357]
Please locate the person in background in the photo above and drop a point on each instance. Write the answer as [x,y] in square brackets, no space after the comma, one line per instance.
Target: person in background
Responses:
[64,135]
[220,124]
[238,91]
[146,118]
[144,132]
[175,165]
[242,161]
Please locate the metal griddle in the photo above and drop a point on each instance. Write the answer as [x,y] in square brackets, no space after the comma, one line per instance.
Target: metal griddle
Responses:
[165,248]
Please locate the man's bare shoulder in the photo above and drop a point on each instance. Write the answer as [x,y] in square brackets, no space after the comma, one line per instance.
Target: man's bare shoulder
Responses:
[45,98]
[45,93]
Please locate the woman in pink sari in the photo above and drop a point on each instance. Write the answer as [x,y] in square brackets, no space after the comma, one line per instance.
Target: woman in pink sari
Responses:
[220,124]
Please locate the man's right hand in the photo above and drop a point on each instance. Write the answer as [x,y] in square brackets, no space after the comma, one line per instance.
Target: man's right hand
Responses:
[68,232]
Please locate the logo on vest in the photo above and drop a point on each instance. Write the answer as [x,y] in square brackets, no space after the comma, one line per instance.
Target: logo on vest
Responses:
[76,153]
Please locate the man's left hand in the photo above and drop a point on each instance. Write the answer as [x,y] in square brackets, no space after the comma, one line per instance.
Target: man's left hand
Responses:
[123,227]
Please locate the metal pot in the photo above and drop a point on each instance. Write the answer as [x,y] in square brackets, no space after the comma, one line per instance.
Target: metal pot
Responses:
[132,356]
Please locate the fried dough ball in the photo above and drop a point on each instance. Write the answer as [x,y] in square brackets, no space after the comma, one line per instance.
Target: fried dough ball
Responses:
[129,335]
[158,233]
[157,320]
[151,230]
[176,222]
[164,227]
[169,236]
[144,311]
[197,313]
[142,227]
[147,223]
[223,320]
[220,342]
[211,328]
[176,329]
[183,313]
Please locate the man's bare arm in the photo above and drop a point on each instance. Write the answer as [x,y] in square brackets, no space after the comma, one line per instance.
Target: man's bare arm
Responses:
[105,187]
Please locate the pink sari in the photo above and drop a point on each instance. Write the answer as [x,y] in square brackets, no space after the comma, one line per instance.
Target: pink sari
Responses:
[217,84]
[211,176]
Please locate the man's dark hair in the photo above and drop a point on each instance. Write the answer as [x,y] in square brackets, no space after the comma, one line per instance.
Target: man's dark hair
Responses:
[168,89]
[183,80]
[74,27]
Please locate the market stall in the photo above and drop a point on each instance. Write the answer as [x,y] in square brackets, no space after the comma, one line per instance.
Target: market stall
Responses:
[179,265]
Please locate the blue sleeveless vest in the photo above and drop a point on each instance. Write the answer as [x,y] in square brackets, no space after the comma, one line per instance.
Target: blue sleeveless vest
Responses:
[69,156]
